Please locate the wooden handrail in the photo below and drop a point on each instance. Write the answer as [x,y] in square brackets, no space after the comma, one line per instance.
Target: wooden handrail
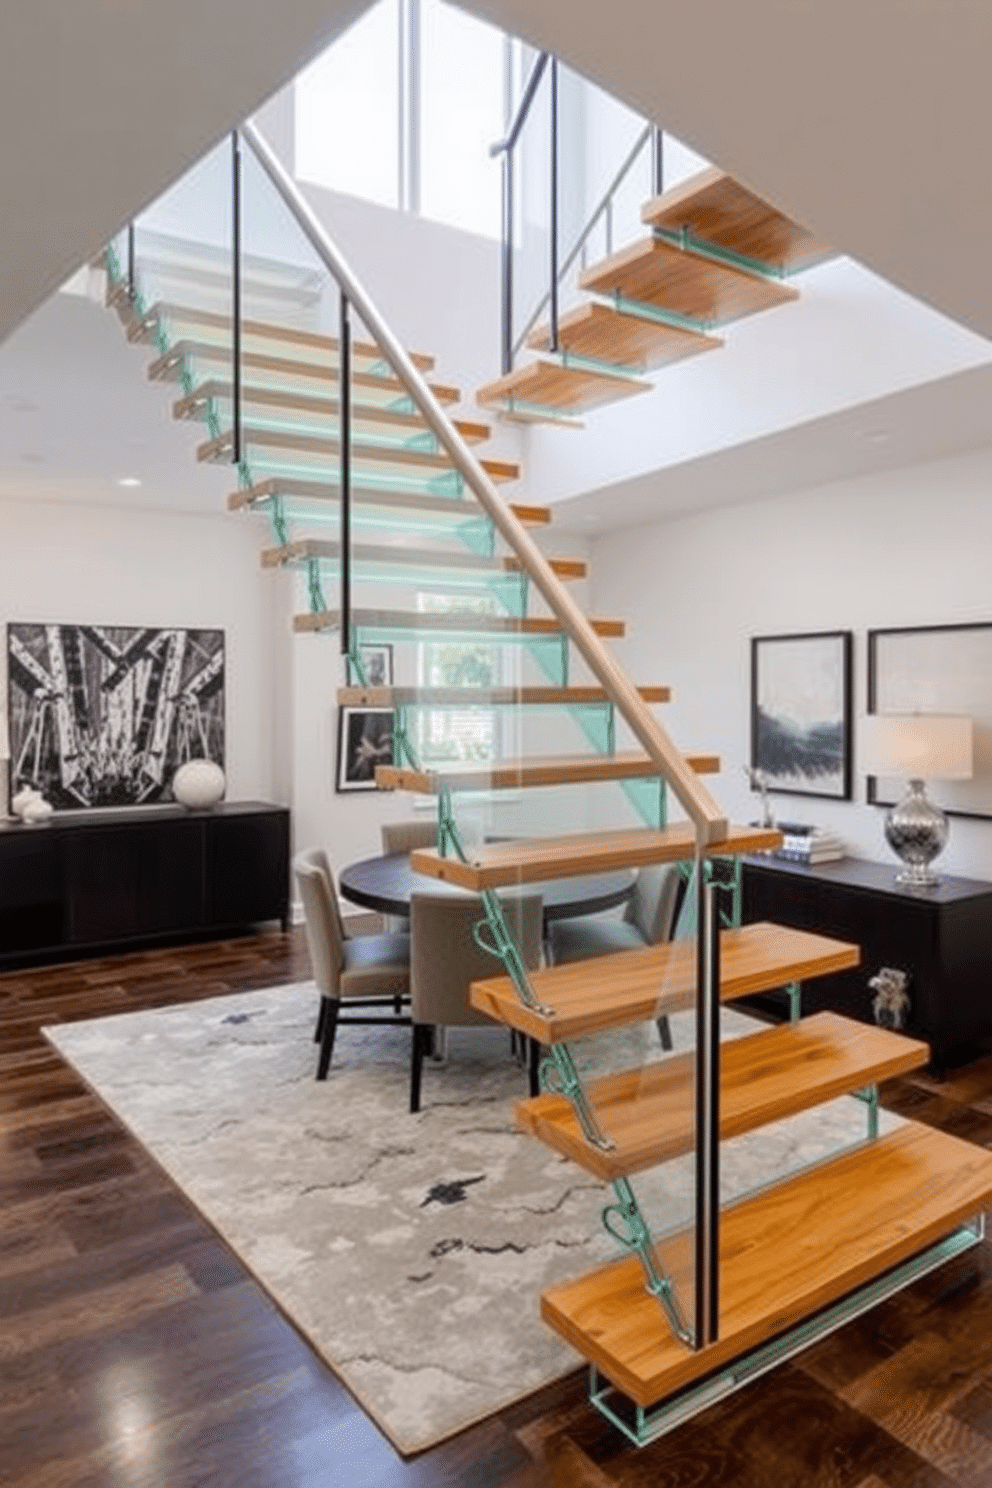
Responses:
[707,818]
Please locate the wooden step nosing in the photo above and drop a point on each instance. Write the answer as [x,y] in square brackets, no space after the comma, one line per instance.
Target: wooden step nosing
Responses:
[472,697]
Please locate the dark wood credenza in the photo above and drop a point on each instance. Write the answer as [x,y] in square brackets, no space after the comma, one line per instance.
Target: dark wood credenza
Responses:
[97,880]
[941,936]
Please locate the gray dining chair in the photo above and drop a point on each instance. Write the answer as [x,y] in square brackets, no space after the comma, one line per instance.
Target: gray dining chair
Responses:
[371,971]
[446,959]
[648,919]
[404,836]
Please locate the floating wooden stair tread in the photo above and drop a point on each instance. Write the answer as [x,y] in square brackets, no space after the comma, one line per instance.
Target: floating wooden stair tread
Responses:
[328,447]
[550,385]
[143,329]
[482,697]
[657,273]
[166,368]
[632,341]
[581,769]
[649,1113]
[785,1253]
[497,865]
[587,997]
[455,624]
[722,211]
[394,501]
[192,406]
[389,554]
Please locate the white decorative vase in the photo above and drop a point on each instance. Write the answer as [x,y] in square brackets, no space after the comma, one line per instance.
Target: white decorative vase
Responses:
[38,810]
[198,784]
[25,797]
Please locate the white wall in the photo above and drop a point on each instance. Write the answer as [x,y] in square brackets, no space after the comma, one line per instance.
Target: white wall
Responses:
[907,547]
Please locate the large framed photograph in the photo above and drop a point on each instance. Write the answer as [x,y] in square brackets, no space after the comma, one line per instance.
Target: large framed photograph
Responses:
[377,664]
[365,740]
[801,713]
[936,669]
[104,715]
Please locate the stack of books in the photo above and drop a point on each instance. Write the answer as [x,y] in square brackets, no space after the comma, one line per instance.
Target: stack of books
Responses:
[807,844]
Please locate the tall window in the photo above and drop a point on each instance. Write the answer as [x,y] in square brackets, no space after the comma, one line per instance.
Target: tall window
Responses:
[447,734]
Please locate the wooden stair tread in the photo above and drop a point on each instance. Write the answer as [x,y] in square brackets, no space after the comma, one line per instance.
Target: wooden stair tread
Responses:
[480,697]
[634,341]
[716,207]
[526,771]
[530,859]
[586,997]
[407,501]
[142,328]
[329,447]
[649,1113]
[191,406]
[388,554]
[657,273]
[785,1253]
[550,385]
[448,624]
[166,368]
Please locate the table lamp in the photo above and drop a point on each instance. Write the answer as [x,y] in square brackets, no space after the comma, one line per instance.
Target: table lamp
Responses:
[917,747]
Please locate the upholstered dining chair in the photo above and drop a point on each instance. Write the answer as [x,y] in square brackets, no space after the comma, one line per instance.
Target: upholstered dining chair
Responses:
[371,971]
[648,919]
[404,836]
[446,958]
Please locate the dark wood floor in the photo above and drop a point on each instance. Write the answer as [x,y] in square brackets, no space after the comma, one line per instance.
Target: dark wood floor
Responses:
[135,1351]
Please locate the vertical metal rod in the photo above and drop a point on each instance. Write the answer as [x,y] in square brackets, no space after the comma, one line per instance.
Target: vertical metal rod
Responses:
[608,223]
[553,293]
[657,161]
[707,1110]
[236,296]
[130,263]
[344,392]
[506,351]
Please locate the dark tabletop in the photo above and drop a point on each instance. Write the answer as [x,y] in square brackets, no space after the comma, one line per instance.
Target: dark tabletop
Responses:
[857,873]
[386,883]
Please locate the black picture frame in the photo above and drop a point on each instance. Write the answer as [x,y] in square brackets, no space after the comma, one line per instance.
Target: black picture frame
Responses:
[801,712]
[936,669]
[365,740]
[377,662]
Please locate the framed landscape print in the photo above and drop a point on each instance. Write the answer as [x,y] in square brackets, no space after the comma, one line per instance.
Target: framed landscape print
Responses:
[365,740]
[104,715]
[937,669]
[801,712]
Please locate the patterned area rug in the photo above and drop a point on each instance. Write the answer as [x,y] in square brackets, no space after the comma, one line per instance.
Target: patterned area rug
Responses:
[411,1251]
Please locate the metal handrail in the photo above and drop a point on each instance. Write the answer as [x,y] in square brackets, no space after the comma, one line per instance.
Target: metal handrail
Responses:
[706,816]
[523,107]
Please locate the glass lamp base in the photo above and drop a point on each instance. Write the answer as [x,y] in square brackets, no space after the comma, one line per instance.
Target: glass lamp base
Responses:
[916,830]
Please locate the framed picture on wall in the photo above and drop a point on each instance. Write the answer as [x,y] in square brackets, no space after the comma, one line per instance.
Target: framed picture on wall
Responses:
[365,740]
[936,669]
[377,663]
[801,712]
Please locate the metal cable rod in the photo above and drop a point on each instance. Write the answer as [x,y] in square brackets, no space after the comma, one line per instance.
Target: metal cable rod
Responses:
[523,107]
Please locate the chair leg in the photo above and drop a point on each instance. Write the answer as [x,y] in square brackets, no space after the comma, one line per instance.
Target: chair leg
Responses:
[327,1032]
[318,1032]
[533,1066]
[422,1039]
[665,1033]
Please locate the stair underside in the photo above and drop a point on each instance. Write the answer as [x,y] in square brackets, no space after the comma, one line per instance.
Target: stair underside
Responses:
[587,997]
[323,449]
[483,697]
[167,368]
[785,1254]
[509,774]
[450,624]
[657,273]
[649,1113]
[497,865]
[389,555]
[377,414]
[716,207]
[453,509]
[633,341]
[553,386]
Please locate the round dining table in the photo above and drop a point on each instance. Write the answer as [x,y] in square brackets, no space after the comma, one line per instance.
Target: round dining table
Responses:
[386,883]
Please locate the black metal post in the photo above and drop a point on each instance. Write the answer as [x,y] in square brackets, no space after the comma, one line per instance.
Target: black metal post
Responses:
[130,263]
[236,297]
[657,161]
[553,296]
[344,404]
[707,1268]
[506,351]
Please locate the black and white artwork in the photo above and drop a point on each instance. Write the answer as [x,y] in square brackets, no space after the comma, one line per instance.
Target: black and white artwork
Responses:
[104,715]
[365,740]
[801,713]
[377,664]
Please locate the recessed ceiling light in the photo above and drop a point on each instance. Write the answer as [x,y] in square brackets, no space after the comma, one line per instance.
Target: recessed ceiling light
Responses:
[129,480]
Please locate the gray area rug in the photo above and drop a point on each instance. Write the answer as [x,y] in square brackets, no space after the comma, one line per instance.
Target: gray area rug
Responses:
[411,1251]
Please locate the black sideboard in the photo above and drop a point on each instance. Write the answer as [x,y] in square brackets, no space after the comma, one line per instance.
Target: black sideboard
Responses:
[941,936]
[96,880]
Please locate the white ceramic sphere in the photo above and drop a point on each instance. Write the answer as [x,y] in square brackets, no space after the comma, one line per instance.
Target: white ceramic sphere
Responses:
[25,796]
[198,783]
[38,810]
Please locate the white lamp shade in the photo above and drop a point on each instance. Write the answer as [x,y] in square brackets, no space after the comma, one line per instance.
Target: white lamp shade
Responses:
[918,746]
